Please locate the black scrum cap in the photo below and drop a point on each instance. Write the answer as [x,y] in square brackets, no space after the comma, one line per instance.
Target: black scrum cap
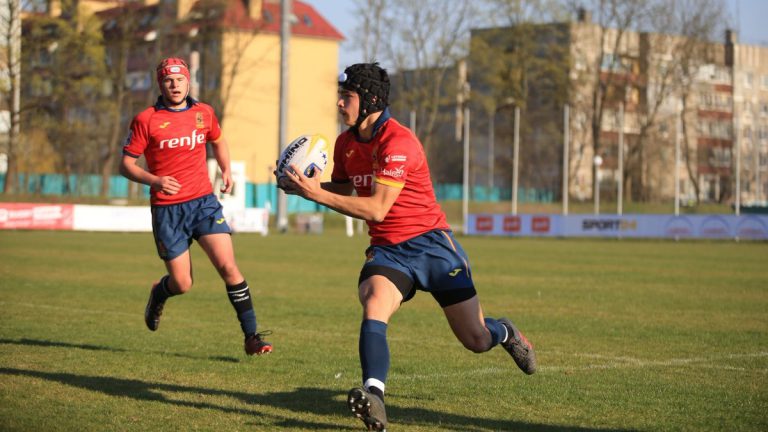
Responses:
[371,82]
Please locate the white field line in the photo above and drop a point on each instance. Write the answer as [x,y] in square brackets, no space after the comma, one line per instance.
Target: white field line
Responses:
[607,362]
[68,309]
[600,361]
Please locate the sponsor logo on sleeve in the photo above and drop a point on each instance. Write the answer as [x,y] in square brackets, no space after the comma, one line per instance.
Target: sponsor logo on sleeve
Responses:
[395,158]
[395,172]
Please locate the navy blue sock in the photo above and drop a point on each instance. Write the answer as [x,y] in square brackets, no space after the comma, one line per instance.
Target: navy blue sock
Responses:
[374,355]
[161,291]
[498,331]
[240,298]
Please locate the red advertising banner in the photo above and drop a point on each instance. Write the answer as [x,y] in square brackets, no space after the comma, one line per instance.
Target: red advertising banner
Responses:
[36,216]
[484,223]
[512,224]
[540,224]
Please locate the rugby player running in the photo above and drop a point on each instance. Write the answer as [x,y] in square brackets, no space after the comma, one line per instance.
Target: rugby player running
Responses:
[412,247]
[172,135]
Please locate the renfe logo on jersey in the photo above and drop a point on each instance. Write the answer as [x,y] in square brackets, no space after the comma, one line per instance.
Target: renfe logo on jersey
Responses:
[190,141]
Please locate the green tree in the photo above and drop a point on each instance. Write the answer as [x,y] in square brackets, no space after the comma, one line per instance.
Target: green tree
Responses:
[522,63]
[67,94]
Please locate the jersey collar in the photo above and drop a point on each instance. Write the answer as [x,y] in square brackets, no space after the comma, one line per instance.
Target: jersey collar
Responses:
[385,115]
[159,105]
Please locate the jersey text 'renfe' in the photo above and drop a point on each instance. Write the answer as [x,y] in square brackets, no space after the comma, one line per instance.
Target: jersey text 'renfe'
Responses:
[173,142]
[395,158]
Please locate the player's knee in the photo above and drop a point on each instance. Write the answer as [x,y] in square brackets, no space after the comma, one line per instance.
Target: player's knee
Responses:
[230,273]
[182,284]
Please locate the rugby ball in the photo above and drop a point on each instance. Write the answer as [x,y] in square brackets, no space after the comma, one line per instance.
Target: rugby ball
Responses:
[308,152]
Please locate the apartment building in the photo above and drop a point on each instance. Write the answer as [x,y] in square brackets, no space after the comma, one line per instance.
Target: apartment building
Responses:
[673,103]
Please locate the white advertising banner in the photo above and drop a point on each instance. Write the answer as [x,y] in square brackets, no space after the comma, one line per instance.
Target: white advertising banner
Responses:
[746,227]
[112,218]
[139,219]
[248,220]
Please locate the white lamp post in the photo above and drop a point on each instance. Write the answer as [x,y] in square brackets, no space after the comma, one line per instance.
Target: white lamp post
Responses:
[598,160]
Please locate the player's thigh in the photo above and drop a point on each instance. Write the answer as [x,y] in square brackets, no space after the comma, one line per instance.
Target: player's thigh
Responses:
[467,323]
[380,298]
[221,252]
[180,272]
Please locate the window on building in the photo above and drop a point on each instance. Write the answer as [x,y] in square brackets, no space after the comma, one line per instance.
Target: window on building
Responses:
[748,79]
[720,157]
[138,81]
[213,82]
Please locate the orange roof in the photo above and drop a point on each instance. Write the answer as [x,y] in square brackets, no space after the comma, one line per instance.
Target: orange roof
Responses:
[309,22]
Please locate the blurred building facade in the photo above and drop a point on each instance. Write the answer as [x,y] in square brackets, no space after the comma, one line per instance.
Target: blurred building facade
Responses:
[233,49]
[717,111]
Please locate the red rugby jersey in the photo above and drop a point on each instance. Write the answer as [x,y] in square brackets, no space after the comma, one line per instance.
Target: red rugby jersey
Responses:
[173,142]
[394,157]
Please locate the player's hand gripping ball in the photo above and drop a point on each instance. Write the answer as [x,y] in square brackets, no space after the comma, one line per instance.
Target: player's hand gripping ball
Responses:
[308,152]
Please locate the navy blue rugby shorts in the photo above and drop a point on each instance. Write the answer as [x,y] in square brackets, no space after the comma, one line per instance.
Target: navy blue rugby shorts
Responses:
[433,262]
[174,226]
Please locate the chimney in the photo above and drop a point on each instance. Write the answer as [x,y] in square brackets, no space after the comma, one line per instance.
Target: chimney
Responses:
[172,9]
[583,15]
[54,8]
[254,8]
[730,41]
[183,7]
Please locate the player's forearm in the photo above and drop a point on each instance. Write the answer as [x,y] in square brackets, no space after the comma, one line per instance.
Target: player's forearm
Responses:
[366,208]
[137,174]
[221,153]
[337,188]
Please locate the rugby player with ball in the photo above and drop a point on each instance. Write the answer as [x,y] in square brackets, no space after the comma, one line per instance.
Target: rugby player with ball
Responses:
[412,247]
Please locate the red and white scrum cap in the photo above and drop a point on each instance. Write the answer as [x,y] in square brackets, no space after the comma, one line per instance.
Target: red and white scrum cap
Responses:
[170,66]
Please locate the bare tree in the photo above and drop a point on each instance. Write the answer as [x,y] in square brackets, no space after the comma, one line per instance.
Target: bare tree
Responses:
[611,65]
[508,70]
[647,52]
[421,42]
[673,61]
[10,32]
[119,33]
[221,49]
[64,59]
[373,25]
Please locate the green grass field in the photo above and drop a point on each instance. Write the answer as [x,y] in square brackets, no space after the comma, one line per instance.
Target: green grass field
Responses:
[630,335]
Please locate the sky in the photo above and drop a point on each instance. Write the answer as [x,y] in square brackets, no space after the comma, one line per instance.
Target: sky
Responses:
[748,16]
